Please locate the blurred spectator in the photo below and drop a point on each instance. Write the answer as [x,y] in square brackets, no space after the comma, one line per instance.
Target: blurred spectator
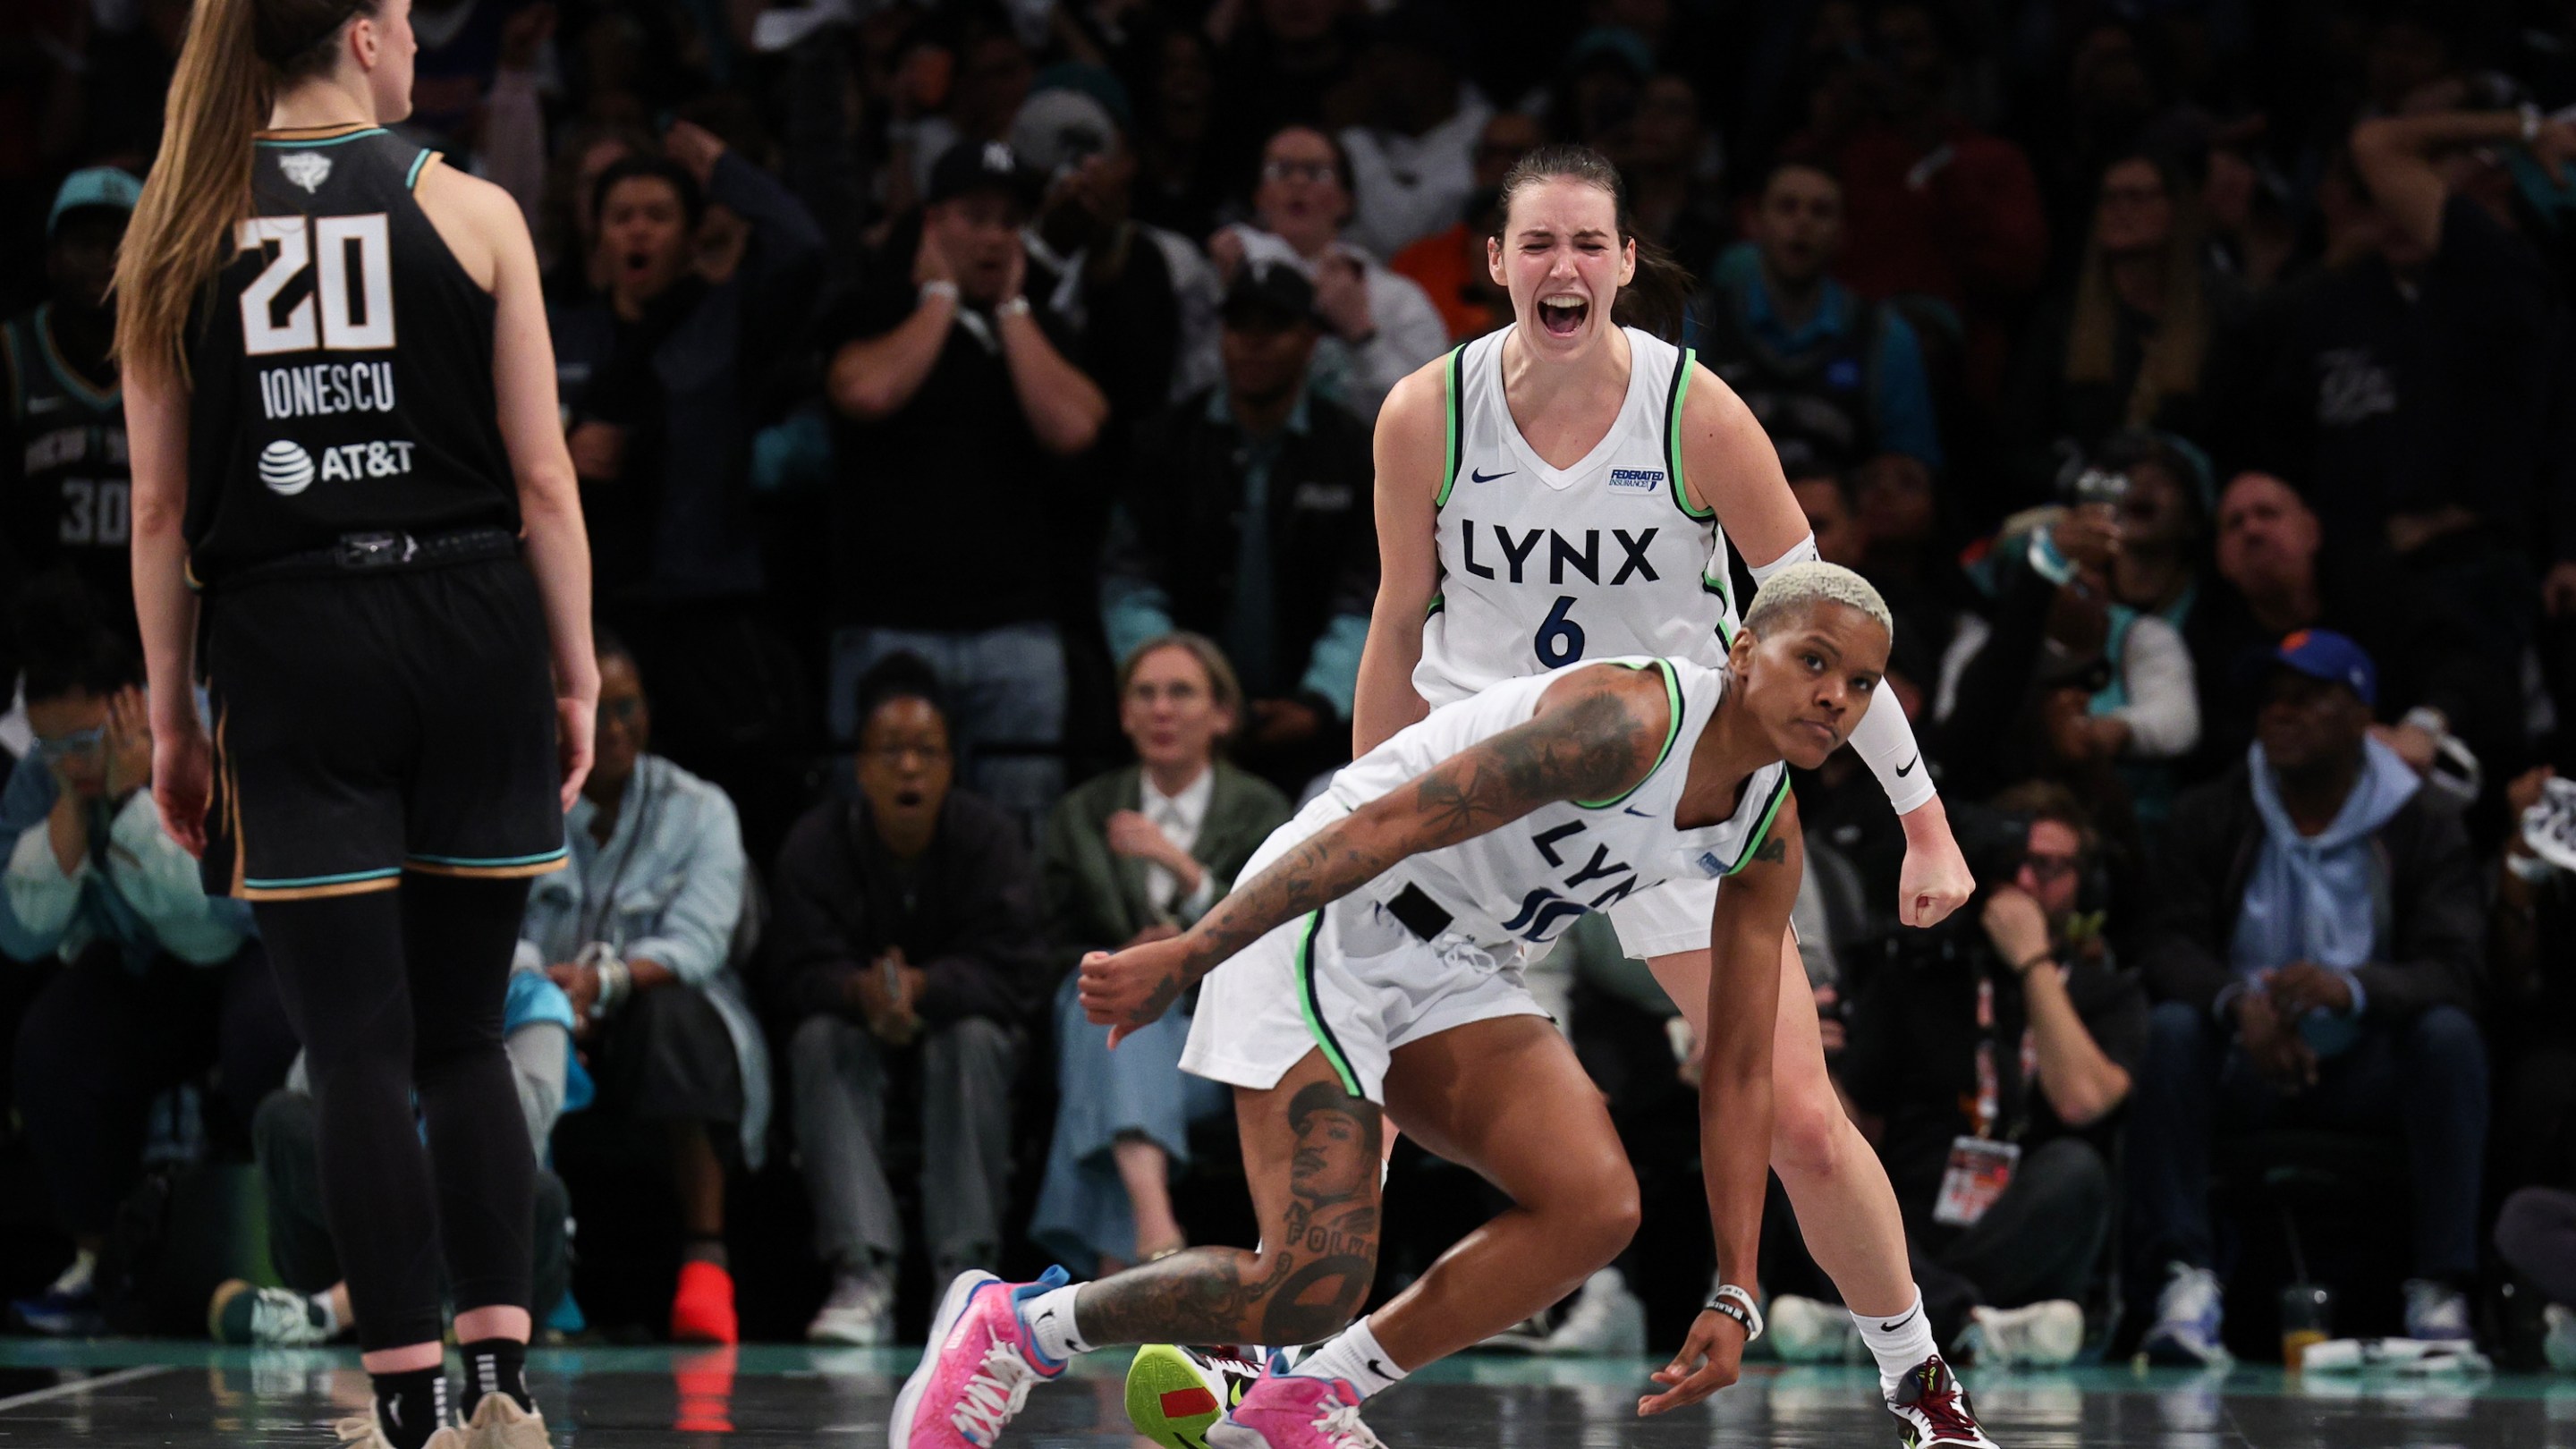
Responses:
[63,472]
[960,406]
[1931,204]
[2007,1058]
[566,224]
[1142,300]
[2088,602]
[1671,169]
[2536,1236]
[662,438]
[2409,400]
[1277,61]
[906,918]
[640,933]
[149,982]
[1451,265]
[2315,960]
[1181,184]
[2278,578]
[313,1305]
[2532,1018]
[1250,521]
[1412,159]
[2136,341]
[1137,855]
[1836,380]
[945,98]
[1825,498]
[1378,325]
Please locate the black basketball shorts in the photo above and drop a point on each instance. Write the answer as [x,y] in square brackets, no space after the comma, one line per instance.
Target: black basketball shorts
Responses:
[369,723]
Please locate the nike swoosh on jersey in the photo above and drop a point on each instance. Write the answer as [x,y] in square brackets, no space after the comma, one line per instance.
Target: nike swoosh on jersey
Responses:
[1633,810]
[1475,477]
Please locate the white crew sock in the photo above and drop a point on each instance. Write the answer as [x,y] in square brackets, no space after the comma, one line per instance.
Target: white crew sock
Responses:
[1898,1343]
[1052,1330]
[1352,1355]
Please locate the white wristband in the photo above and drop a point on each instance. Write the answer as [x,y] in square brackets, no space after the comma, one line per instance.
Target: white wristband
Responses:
[1016,307]
[938,289]
[1736,1298]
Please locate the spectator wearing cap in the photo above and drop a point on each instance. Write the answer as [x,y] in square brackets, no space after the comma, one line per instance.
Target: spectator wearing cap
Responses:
[1835,379]
[1141,300]
[662,433]
[1377,325]
[1450,265]
[1412,160]
[63,473]
[962,420]
[2315,957]
[1249,518]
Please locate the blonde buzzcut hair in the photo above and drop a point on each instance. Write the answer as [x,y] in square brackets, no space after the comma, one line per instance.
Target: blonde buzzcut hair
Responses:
[1816,582]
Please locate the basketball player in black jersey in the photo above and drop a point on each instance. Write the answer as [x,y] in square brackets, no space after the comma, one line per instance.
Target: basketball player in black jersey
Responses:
[350,486]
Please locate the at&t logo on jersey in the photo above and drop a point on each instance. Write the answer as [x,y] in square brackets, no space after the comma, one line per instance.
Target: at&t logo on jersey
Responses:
[285,468]
[1637,480]
[289,470]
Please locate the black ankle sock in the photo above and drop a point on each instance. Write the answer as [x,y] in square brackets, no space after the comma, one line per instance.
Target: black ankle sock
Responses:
[706,1248]
[495,1366]
[411,1406]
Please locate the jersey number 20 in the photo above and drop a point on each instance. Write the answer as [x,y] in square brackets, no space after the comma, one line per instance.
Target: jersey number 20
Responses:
[357,307]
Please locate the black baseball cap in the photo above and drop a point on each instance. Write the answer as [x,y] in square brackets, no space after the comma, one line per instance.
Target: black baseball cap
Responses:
[972,166]
[1270,291]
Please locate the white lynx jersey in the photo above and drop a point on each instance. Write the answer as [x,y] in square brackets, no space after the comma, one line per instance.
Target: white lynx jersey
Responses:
[1543,567]
[1525,882]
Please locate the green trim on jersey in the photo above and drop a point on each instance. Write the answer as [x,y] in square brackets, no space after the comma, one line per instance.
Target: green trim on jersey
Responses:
[1673,437]
[1456,427]
[1672,732]
[472,862]
[307,882]
[340,140]
[419,163]
[1312,1006]
[1438,603]
[1711,584]
[1771,812]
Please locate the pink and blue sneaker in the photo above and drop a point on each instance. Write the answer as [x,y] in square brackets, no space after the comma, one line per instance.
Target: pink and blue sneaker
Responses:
[976,1374]
[1295,1413]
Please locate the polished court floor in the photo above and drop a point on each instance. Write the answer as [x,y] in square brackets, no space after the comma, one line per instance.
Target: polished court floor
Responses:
[187,1396]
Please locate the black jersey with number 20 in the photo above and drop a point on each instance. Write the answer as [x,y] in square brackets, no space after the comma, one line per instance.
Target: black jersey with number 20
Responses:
[341,366]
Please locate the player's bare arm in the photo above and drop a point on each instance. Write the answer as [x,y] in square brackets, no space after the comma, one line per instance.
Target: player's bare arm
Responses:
[1595,735]
[1730,465]
[1735,1095]
[1411,449]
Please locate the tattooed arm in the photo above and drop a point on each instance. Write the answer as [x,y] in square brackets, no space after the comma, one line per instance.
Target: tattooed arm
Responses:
[1595,734]
[1735,1094]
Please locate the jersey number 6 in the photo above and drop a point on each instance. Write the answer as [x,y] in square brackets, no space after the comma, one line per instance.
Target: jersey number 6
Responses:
[1560,639]
[366,326]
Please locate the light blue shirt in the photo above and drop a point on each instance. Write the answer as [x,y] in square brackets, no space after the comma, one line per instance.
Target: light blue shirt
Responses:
[668,885]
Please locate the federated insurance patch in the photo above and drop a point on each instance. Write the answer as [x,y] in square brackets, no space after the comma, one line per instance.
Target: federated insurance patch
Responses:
[1637,480]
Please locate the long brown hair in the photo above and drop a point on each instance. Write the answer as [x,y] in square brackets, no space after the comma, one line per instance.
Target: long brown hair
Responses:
[2171,367]
[1655,299]
[238,54]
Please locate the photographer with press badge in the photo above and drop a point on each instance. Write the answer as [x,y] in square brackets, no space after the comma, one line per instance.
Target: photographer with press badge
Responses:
[1998,1053]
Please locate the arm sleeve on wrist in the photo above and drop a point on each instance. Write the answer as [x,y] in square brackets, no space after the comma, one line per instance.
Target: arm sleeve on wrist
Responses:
[1884,740]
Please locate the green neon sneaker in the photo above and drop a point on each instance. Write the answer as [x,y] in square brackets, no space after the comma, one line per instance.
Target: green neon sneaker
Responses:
[1175,1394]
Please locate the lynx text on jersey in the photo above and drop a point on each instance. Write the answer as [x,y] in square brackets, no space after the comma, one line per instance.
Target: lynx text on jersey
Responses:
[322,388]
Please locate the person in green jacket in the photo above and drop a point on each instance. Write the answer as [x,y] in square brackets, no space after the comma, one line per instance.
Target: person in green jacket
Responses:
[1136,855]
